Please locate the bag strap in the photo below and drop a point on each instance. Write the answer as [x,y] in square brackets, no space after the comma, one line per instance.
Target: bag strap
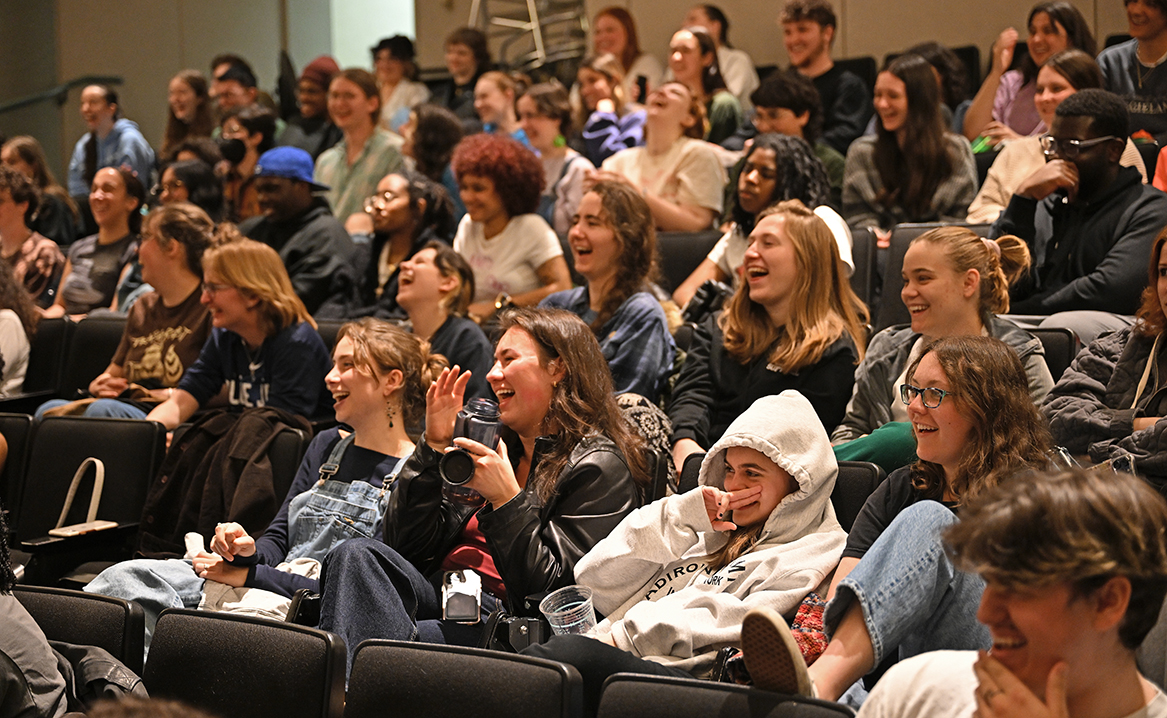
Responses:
[94,497]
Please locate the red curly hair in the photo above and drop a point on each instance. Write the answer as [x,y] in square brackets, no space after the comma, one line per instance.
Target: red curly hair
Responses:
[516,172]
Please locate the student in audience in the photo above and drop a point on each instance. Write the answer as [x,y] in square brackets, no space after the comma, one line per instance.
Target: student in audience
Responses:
[263,349]
[199,148]
[789,104]
[614,32]
[793,323]
[975,428]
[434,290]
[953,82]
[189,110]
[233,83]
[609,122]
[1094,220]
[367,153]
[1004,108]
[94,264]
[1109,402]
[408,211]
[18,319]
[36,262]
[693,62]
[1066,614]
[578,472]
[1134,71]
[166,328]
[517,258]
[378,378]
[111,141]
[613,244]
[494,101]
[736,66]
[776,168]
[467,57]
[545,116]
[317,252]
[312,129]
[57,216]
[912,170]
[680,176]
[675,579]
[1063,74]
[954,284]
[808,30]
[397,78]
[255,128]
[192,181]
[431,133]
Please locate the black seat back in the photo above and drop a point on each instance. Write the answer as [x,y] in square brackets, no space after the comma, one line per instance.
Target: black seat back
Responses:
[16,430]
[91,346]
[46,356]
[1061,345]
[117,625]
[857,480]
[634,695]
[863,254]
[680,253]
[287,450]
[420,679]
[234,665]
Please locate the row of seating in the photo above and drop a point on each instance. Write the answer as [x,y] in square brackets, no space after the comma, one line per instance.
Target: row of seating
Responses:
[240,665]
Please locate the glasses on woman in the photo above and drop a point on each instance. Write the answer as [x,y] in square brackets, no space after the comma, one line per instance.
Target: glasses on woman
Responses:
[930,396]
[379,201]
[211,289]
[1069,149]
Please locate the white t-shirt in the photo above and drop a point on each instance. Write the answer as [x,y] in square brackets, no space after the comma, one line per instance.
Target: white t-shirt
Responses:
[689,174]
[940,685]
[730,251]
[14,348]
[507,262]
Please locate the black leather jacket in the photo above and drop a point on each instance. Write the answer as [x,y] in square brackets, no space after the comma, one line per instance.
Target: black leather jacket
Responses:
[535,547]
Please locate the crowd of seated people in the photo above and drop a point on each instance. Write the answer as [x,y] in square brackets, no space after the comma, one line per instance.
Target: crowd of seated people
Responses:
[501,237]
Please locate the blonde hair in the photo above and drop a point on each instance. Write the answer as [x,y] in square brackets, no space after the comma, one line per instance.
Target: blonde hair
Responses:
[379,347]
[258,272]
[826,306]
[999,268]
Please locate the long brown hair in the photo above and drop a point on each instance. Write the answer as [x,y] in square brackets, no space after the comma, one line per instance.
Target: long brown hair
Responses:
[607,65]
[827,305]
[29,149]
[910,174]
[582,403]
[203,123]
[999,268]
[1151,320]
[1008,434]
[627,214]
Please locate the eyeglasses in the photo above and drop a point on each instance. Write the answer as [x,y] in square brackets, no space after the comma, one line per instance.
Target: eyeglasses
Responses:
[213,289]
[930,396]
[379,201]
[1069,149]
[167,187]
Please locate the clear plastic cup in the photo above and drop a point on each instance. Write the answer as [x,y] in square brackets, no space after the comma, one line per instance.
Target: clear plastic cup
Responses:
[569,610]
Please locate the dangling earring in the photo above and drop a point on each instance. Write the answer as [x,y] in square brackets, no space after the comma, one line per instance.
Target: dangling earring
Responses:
[560,141]
[389,412]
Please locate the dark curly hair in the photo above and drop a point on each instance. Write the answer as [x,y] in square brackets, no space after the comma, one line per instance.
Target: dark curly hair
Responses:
[516,172]
[801,175]
[436,133]
[21,189]
[792,91]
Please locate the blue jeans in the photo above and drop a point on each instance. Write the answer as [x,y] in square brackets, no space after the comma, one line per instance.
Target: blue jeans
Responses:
[156,585]
[104,408]
[912,597]
[368,590]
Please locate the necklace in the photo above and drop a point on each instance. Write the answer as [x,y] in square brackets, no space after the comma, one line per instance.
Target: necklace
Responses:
[1151,66]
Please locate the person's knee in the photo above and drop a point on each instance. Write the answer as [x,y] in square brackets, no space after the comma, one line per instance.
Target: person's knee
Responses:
[931,516]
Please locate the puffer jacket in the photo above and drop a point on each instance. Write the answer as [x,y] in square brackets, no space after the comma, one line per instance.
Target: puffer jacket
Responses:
[1090,409]
[535,546]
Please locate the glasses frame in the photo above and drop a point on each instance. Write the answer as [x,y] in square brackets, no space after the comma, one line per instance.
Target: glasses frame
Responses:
[211,289]
[1069,149]
[909,392]
[378,201]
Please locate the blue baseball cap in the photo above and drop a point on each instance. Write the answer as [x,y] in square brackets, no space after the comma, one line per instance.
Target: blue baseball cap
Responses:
[287,162]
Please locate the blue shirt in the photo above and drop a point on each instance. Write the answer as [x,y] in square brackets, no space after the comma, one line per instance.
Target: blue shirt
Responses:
[286,373]
[124,145]
[635,340]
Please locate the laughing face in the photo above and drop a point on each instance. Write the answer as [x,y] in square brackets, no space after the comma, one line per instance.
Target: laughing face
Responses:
[594,246]
[1146,20]
[95,110]
[806,41]
[771,266]
[108,199]
[942,434]
[940,299]
[420,281]
[891,101]
[523,382]
[355,391]
[1046,37]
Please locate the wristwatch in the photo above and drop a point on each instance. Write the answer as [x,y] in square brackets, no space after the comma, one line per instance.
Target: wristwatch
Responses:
[502,301]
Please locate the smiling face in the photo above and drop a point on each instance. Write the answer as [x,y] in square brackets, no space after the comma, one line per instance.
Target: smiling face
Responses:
[391,211]
[669,105]
[891,101]
[541,130]
[460,61]
[108,198]
[594,246]
[281,198]
[183,100]
[151,255]
[1146,20]
[313,99]
[12,158]
[758,180]
[229,307]
[746,468]
[389,69]
[523,385]
[421,282]
[685,58]
[939,299]
[944,433]
[173,190]
[771,267]
[806,41]
[95,111]
[593,87]
[356,392]
[1052,89]
[480,198]
[491,102]
[349,106]
[608,35]
[1046,37]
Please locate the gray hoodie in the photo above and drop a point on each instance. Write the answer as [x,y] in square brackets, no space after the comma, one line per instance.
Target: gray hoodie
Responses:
[651,577]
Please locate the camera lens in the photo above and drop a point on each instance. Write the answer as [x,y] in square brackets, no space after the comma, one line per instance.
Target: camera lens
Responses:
[456,467]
